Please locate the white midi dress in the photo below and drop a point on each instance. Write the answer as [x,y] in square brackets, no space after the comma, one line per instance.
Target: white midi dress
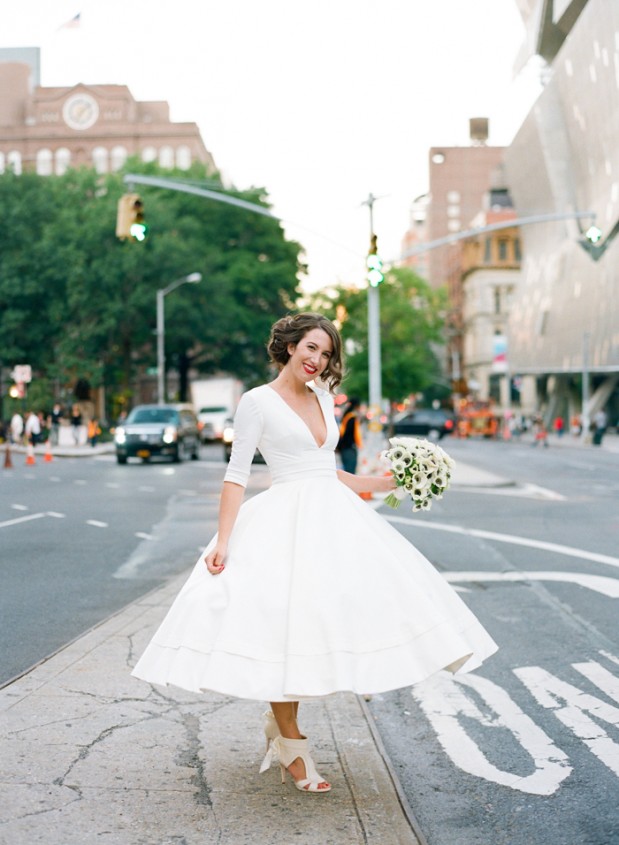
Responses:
[320,593]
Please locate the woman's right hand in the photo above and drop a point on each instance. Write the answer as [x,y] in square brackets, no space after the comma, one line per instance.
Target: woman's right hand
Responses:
[215,559]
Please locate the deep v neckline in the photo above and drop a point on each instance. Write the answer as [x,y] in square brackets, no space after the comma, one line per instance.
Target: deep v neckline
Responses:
[299,417]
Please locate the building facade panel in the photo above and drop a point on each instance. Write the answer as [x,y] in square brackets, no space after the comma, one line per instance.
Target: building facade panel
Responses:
[566,158]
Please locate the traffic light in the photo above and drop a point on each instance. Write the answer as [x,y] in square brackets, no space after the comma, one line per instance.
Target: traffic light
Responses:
[374,264]
[593,234]
[130,218]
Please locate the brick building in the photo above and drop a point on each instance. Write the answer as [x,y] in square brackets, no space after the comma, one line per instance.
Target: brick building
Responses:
[51,129]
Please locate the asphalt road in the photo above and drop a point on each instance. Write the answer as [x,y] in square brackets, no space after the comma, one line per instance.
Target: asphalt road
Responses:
[82,537]
[526,750]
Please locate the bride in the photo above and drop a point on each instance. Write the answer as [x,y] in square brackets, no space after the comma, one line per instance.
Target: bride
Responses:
[305,590]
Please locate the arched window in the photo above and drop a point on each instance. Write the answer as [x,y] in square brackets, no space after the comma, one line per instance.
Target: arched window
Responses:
[100,159]
[149,154]
[2,162]
[14,161]
[118,157]
[183,158]
[44,162]
[166,157]
[63,160]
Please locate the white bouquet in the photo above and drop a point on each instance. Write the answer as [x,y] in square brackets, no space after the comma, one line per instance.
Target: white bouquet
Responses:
[422,470]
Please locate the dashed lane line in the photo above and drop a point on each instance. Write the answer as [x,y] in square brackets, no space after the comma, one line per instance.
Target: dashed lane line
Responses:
[96,523]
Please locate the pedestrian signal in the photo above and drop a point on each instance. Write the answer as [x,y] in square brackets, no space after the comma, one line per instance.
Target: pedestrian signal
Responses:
[130,224]
[374,264]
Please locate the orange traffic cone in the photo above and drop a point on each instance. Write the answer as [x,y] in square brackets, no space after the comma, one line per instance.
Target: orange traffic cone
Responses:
[30,459]
[48,457]
[8,463]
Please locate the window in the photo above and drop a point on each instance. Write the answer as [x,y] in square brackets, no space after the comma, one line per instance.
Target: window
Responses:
[166,157]
[517,251]
[488,251]
[2,162]
[14,161]
[100,159]
[183,158]
[503,242]
[118,157]
[63,160]
[44,162]
[149,154]
[497,300]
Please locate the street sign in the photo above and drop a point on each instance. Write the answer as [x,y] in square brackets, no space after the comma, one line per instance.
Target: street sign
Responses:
[22,373]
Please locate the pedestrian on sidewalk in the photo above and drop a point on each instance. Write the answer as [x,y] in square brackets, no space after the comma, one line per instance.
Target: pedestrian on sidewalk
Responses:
[305,590]
[76,424]
[350,441]
[33,428]
[54,424]
[17,428]
[94,431]
[600,423]
[540,433]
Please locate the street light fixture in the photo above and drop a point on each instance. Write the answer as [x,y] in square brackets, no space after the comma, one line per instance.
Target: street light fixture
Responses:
[192,279]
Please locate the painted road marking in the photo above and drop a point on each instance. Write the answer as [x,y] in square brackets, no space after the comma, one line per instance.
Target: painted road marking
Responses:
[146,489]
[144,536]
[19,519]
[28,518]
[597,583]
[570,705]
[570,551]
[451,703]
[96,523]
[20,507]
[525,491]
[443,700]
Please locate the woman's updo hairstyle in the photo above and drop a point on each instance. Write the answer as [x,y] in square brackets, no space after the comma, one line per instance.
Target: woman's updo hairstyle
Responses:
[291,329]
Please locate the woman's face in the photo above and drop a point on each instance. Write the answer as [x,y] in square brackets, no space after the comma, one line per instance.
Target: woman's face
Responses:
[310,357]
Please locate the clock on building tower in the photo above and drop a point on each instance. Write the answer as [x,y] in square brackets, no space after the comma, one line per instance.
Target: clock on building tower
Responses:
[80,111]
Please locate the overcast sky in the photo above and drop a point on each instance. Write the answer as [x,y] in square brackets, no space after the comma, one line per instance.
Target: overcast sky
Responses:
[319,101]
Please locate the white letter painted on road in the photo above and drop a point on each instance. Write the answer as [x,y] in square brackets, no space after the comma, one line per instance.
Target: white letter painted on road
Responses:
[570,705]
[442,699]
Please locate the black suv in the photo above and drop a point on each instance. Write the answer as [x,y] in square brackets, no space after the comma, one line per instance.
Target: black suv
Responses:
[158,430]
[432,423]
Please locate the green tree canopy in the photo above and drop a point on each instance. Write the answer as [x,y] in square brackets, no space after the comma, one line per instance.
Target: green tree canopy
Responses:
[77,302]
[411,320]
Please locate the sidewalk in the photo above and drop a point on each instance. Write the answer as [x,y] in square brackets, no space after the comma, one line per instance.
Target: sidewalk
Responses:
[85,451]
[91,755]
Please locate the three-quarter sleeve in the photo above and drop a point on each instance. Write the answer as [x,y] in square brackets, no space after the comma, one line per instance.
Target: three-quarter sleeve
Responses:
[247,432]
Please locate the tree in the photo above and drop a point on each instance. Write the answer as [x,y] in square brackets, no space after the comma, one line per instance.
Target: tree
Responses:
[77,303]
[411,319]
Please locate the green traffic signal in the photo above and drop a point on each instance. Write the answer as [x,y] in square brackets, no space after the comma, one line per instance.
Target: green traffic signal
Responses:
[375,265]
[593,234]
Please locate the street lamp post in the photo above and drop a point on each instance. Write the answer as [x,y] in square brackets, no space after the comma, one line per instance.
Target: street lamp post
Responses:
[374,358]
[192,278]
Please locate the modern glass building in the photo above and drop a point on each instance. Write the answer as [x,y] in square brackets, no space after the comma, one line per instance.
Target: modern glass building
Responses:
[563,330]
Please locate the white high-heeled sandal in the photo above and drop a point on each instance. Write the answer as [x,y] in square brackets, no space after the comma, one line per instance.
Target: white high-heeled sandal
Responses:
[271,729]
[289,750]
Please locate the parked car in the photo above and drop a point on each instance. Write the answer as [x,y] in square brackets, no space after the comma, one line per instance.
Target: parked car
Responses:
[211,422]
[158,430]
[432,423]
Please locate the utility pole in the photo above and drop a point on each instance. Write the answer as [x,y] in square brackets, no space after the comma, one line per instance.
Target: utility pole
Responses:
[374,357]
